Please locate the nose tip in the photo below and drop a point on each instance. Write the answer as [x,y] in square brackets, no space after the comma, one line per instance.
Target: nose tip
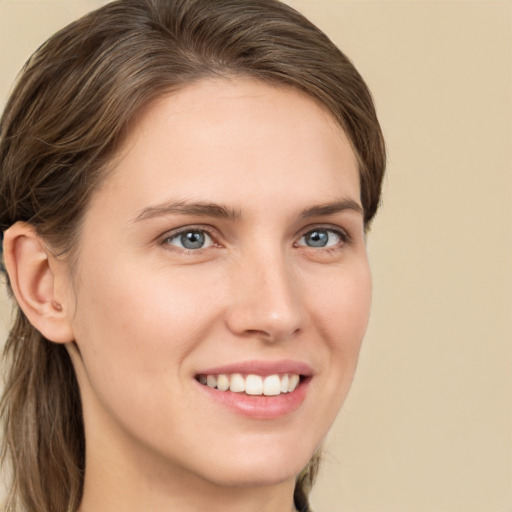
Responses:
[266,304]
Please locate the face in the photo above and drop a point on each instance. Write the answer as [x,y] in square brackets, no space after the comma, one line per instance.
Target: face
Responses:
[222,261]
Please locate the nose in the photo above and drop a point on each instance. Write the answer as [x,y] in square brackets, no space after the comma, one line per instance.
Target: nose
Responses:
[266,301]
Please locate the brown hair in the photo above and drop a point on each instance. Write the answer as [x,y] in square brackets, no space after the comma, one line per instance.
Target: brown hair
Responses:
[61,127]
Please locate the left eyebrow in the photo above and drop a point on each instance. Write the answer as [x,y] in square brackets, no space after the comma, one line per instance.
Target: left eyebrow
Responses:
[188,208]
[332,208]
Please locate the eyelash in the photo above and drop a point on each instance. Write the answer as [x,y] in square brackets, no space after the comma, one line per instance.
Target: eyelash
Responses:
[182,231]
[343,236]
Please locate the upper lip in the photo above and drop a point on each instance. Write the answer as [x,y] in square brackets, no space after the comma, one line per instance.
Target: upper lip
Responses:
[263,368]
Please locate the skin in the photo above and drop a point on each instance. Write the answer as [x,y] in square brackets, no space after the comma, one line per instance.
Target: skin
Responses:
[147,315]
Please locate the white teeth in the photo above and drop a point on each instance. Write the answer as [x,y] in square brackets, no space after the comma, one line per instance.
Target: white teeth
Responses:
[222,382]
[253,385]
[270,385]
[284,383]
[237,383]
[294,380]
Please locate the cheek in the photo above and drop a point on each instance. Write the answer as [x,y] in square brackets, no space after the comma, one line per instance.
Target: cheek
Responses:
[143,321]
[342,313]
[343,306]
[134,336]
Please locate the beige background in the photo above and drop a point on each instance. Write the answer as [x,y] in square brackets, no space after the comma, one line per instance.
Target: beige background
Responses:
[428,424]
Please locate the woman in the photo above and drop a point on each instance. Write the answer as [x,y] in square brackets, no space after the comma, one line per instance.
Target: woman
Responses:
[185,191]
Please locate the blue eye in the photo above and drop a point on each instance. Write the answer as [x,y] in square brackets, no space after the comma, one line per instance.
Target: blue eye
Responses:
[321,238]
[191,239]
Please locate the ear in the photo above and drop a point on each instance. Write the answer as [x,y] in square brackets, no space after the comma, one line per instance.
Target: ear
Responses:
[35,275]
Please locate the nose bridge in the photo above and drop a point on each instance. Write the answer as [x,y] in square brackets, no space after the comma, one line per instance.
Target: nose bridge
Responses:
[266,301]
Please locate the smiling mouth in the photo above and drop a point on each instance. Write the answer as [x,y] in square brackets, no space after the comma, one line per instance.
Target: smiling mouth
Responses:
[253,385]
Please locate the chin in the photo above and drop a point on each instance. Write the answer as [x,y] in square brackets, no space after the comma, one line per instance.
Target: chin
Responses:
[251,476]
[266,466]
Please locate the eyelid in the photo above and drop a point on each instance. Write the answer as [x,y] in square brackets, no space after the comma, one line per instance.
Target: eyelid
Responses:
[343,233]
[209,230]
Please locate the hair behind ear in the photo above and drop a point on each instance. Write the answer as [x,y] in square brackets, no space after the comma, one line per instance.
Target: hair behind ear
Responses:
[40,408]
[41,416]
[305,482]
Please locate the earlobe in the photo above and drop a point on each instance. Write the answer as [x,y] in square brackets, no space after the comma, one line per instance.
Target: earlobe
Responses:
[33,280]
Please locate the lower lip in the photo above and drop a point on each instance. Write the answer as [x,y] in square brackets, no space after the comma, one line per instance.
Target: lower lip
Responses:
[260,407]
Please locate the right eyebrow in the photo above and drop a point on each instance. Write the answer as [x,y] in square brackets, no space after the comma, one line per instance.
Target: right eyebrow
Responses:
[187,208]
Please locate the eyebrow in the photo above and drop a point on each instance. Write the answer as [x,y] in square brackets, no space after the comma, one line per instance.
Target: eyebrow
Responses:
[185,208]
[226,212]
[332,208]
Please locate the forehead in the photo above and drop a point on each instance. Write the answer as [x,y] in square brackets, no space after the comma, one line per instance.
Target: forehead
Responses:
[233,138]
